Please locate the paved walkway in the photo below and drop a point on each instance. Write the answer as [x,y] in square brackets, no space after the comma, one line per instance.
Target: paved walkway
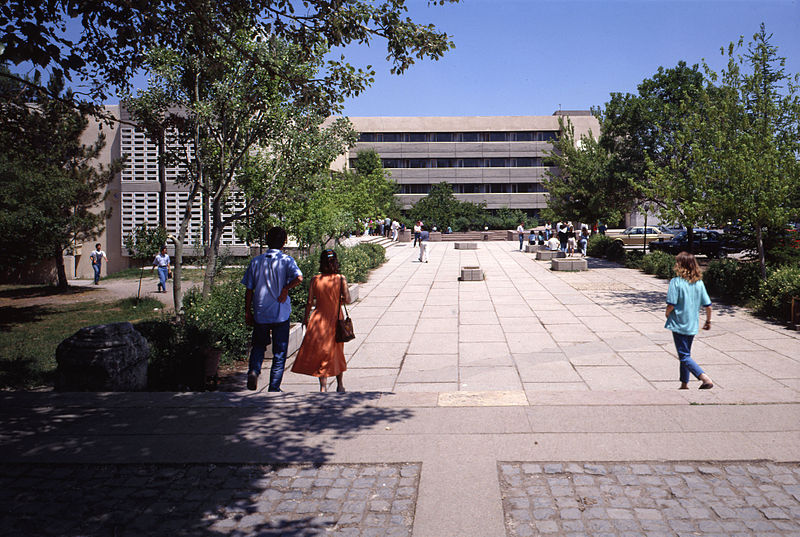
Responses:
[533,403]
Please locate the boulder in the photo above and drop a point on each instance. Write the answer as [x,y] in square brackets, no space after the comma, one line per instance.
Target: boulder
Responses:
[106,357]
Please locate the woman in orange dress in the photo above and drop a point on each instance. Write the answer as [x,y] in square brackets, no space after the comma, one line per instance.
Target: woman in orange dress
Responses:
[320,355]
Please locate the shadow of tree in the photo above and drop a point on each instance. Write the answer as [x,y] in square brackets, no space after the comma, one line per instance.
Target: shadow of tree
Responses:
[657,300]
[39,291]
[12,315]
[116,463]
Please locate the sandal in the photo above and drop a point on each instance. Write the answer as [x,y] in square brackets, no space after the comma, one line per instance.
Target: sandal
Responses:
[706,386]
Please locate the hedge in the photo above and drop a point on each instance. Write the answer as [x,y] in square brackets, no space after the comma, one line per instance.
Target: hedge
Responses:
[775,296]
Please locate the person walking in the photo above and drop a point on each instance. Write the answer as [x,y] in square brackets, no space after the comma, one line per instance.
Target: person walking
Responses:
[267,307]
[584,241]
[417,231]
[320,355]
[685,296]
[395,230]
[424,237]
[162,263]
[521,233]
[97,257]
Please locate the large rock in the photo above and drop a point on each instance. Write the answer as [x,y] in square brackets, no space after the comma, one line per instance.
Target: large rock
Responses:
[105,358]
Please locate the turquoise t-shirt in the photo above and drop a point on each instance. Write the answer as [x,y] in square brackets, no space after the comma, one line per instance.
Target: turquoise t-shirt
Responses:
[687,299]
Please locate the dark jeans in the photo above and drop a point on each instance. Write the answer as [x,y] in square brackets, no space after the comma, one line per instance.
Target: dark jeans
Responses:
[521,240]
[683,345]
[96,268]
[280,344]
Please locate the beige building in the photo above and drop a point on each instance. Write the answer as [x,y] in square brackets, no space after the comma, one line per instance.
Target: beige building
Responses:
[499,161]
[492,160]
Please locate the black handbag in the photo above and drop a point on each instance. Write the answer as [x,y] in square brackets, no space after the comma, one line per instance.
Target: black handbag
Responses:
[344,327]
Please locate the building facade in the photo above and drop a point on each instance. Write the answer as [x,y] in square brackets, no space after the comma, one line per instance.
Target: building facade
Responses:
[499,161]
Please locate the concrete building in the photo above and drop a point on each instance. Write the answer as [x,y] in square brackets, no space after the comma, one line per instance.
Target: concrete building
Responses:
[492,160]
[499,161]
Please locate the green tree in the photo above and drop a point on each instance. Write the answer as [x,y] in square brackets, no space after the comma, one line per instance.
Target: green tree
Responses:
[50,185]
[754,134]
[143,245]
[580,184]
[440,208]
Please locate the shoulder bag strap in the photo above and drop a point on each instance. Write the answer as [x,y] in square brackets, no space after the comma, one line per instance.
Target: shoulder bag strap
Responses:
[341,296]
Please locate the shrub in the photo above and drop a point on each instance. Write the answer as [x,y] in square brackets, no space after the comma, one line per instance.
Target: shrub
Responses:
[777,291]
[660,264]
[598,244]
[218,320]
[616,252]
[732,280]
[633,259]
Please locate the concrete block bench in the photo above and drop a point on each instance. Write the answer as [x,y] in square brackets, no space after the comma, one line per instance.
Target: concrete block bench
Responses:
[466,245]
[569,264]
[471,274]
[533,248]
[547,255]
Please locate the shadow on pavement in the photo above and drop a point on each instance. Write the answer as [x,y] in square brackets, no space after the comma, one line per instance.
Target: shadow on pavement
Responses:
[106,463]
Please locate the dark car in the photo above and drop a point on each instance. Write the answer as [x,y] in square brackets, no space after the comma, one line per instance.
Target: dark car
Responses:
[706,242]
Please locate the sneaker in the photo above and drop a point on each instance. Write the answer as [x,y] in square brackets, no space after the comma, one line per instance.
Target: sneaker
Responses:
[252,381]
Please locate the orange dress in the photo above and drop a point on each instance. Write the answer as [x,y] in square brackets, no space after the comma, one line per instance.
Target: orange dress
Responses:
[320,355]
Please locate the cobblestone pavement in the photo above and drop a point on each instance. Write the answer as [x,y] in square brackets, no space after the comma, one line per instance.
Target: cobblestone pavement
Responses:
[207,499]
[651,499]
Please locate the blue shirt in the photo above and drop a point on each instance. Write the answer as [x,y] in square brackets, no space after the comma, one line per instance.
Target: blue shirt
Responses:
[687,298]
[161,260]
[266,276]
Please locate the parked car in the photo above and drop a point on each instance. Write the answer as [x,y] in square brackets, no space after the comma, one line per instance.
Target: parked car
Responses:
[635,235]
[706,242]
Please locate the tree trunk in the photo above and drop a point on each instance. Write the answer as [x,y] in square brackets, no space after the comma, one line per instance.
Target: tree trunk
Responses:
[61,271]
[213,251]
[162,179]
[690,236]
[762,257]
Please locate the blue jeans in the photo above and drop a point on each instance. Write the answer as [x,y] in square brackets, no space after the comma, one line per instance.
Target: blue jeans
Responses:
[683,344]
[96,267]
[521,240]
[162,277]
[280,344]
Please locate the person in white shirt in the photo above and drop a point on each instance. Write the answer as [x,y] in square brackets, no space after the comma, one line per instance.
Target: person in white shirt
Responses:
[162,263]
[521,233]
[395,230]
[97,257]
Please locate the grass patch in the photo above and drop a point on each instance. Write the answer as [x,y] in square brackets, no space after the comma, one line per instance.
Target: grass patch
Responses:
[29,335]
[132,273]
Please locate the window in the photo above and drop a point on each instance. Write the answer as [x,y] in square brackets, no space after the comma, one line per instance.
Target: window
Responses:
[498,136]
[497,163]
[390,137]
[444,137]
[415,189]
[549,136]
[366,137]
[468,188]
[416,137]
[445,162]
[417,163]
[391,163]
[470,137]
[472,163]
[499,188]
[525,136]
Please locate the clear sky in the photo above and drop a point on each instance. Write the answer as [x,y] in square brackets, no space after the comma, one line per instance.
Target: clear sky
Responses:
[528,57]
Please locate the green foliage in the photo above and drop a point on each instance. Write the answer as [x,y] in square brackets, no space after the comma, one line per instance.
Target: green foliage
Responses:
[775,296]
[581,186]
[218,319]
[616,252]
[660,264]
[634,258]
[440,208]
[144,243]
[598,245]
[732,280]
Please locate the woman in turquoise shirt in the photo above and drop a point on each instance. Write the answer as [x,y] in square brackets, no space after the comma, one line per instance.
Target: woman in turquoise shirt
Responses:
[685,296]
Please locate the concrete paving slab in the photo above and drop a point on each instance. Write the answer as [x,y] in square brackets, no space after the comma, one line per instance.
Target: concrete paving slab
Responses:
[525,324]
[489,378]
[570,333]
[770,363]
[629,341]
[371,379]
[741,377]
[390,334]
[483,399]
[532,388]
[478,306]
[425,343]
[591,353]
[553,372]
[439,312]
[426,387]
[429,368]
[523,342]
[437,326]
[615,378]
[731,342]
[485,317]
[653,366]
[484,354]
[604,419]
[485,333]
[378,355]
[399,318]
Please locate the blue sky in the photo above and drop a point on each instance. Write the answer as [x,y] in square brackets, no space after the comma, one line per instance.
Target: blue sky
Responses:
[528,57]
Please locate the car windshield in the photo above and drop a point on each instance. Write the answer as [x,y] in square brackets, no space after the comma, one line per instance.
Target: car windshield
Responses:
[680,236]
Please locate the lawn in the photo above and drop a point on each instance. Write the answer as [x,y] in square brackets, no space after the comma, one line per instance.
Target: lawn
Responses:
[29,335]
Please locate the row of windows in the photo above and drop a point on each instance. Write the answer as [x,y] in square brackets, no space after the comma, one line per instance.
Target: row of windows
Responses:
[516,136]
[479,188]
[519,162]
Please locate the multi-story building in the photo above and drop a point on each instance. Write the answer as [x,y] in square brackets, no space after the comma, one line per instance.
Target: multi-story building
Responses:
[499,161]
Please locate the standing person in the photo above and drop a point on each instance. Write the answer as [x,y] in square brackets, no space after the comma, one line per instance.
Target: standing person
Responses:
[162,263]
[320,355]
[97,257]
[584,241]
[547,231]
[562,236]
[417,231]
[521,233]
[424,236]
[387,226]
[571,244]
[395,230]
[685,296]
[267,307]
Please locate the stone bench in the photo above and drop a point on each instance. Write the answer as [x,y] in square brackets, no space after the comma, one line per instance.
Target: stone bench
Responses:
[569,264]
[533,248]
[547,255]
[471,274]
[466,245]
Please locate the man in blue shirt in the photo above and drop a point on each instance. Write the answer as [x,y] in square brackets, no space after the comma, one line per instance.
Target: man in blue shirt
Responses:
[268,279]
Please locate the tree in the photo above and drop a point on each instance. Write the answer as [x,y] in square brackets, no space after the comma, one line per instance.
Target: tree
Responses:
[582,187]
[642,135]
[754,132]
[440,208]
[143,245]
[49,184]
[117,37]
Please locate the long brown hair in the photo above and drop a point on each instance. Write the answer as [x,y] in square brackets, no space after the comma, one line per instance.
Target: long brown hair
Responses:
[328,262]
[687,268]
